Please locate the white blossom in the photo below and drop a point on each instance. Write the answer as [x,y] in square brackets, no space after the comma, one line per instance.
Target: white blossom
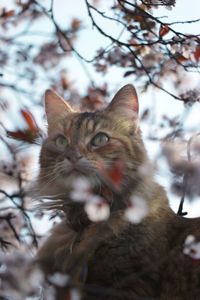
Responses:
[115,56]
[20,278]
[49,293]
[145,50]
[74,294]
[80,189]
[152,59]
[136,210]
[10,168]
[191,96]
[97,209]
[173,152]
[191,247]
[146,169]
[58,279]
[192,44]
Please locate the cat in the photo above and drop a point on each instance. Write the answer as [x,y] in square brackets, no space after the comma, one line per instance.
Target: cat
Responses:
[113,258]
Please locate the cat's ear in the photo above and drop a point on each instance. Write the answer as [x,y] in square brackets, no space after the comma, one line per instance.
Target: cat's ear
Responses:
[54,105]
[125,102]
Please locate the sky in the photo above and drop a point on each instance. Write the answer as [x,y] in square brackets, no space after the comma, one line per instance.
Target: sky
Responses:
[89,41]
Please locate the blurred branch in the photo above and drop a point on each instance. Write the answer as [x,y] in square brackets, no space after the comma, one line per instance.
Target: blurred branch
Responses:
[63,35]
[152,81]
[148,15]
[185,176]
[4,244]
[184,22]
[14,87]
[159,2]
[140,12]
[8,219]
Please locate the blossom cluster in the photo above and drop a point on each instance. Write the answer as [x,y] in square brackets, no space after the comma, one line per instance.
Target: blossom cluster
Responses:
[95,206]
[20,278]
[98,209]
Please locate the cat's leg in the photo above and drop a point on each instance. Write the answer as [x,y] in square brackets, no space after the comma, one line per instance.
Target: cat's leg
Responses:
[56,250]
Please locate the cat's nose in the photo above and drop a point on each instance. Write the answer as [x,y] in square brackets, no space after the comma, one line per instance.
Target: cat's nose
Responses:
[73,155]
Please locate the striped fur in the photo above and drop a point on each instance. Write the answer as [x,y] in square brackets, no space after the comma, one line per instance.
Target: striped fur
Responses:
[124,261]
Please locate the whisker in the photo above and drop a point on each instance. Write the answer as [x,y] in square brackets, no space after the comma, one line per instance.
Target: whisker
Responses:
[45,184]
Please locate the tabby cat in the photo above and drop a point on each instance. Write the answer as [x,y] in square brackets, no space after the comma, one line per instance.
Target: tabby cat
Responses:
[114,258]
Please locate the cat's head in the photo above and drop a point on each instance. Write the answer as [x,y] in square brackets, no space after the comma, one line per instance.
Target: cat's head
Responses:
[91,144]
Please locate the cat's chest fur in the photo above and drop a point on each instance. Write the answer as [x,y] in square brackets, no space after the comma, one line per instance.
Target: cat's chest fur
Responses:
[147,260]
[129,261]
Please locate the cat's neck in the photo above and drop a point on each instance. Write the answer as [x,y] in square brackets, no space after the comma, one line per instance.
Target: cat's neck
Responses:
[146,190]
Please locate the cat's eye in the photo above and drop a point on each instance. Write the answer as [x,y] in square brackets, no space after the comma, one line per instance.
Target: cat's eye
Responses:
[100,139]
[61,142]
